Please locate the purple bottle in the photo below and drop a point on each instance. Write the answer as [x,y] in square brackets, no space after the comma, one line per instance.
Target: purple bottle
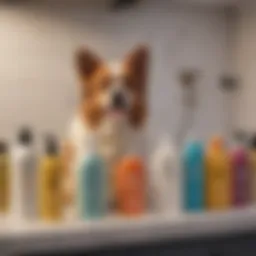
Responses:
[240,177]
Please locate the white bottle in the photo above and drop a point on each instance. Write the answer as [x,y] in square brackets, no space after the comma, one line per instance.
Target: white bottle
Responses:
[24,178]
[166,178]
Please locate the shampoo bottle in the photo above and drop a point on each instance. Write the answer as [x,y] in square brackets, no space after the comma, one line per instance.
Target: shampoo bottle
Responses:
[240,174]
[4,178]
[91,185]
[165,178]
[252,166]
[49,180]
[218,176]
[24,177]
[130,186]
[194,177]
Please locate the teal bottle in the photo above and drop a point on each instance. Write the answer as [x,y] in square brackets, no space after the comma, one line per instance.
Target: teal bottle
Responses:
[194,177]
[91,187]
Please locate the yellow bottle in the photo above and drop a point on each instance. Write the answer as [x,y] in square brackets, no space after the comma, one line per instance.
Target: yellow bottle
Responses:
[218,176]
[4,178]
[50,177]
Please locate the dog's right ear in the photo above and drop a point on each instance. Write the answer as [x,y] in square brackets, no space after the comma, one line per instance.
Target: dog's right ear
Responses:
[87,63]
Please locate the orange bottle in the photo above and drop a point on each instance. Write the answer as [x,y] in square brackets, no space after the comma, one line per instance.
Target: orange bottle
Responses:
[130,186]
[218,176]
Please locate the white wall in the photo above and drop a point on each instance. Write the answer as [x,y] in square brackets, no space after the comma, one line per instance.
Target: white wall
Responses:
[37,82]
[245,59]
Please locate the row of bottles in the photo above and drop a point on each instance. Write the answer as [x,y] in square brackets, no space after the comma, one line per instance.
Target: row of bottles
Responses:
[212,178]
[30,187]
[217,178]
[128,179]
[49,180]
[203,178]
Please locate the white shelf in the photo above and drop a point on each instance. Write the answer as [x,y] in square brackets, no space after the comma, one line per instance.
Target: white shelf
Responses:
[116,231]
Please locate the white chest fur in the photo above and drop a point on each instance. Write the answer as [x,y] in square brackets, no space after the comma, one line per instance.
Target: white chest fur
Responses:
[115,138]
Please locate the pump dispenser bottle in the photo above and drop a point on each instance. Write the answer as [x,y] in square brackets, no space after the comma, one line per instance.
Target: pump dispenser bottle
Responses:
[24,177]
[50,177]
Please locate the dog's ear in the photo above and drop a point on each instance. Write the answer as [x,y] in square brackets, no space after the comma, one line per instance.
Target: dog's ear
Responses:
[87,63]
[136,64]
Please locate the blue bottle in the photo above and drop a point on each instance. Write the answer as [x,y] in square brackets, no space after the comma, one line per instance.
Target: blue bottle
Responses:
[194,180]
[91,186]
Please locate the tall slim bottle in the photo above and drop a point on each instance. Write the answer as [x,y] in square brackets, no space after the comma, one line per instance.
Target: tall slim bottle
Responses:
[49,180]
[240,175]
[91,185]
[165,178]
[194,176]
[4,178]
[252,166]
[24,177]
[218,176]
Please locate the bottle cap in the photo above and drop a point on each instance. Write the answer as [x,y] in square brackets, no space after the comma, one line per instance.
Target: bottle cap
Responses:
[253,142]
[166,147]
[240,138]
[192,137]
[217,143]
[3,147]
[51,145]
[193,148]
[132,163]
[25,136]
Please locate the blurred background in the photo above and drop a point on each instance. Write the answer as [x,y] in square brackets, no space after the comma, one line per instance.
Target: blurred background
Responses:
[39,38]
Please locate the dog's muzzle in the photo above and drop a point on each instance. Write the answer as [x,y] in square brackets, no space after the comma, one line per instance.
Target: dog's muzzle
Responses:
[119,101]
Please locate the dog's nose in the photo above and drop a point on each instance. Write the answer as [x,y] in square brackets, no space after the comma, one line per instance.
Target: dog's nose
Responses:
[119,101]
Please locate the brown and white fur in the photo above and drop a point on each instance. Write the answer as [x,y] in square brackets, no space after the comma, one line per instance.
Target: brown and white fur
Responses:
[112,111]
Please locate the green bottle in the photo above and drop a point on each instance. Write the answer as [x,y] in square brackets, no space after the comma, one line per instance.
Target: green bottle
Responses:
[91,180]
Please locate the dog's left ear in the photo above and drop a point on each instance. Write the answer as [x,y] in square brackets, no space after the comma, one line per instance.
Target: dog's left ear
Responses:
[87,62]
[136,65]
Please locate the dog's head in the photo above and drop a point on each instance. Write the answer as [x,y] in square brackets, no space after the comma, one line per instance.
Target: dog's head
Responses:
[116,90]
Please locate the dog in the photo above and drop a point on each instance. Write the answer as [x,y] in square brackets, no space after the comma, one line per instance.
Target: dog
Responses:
[112,112]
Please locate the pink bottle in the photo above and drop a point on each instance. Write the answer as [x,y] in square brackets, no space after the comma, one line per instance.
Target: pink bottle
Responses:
[240,177]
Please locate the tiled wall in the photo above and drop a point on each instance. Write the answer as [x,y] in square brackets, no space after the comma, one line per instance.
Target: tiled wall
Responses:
[37,41]
[245,59]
